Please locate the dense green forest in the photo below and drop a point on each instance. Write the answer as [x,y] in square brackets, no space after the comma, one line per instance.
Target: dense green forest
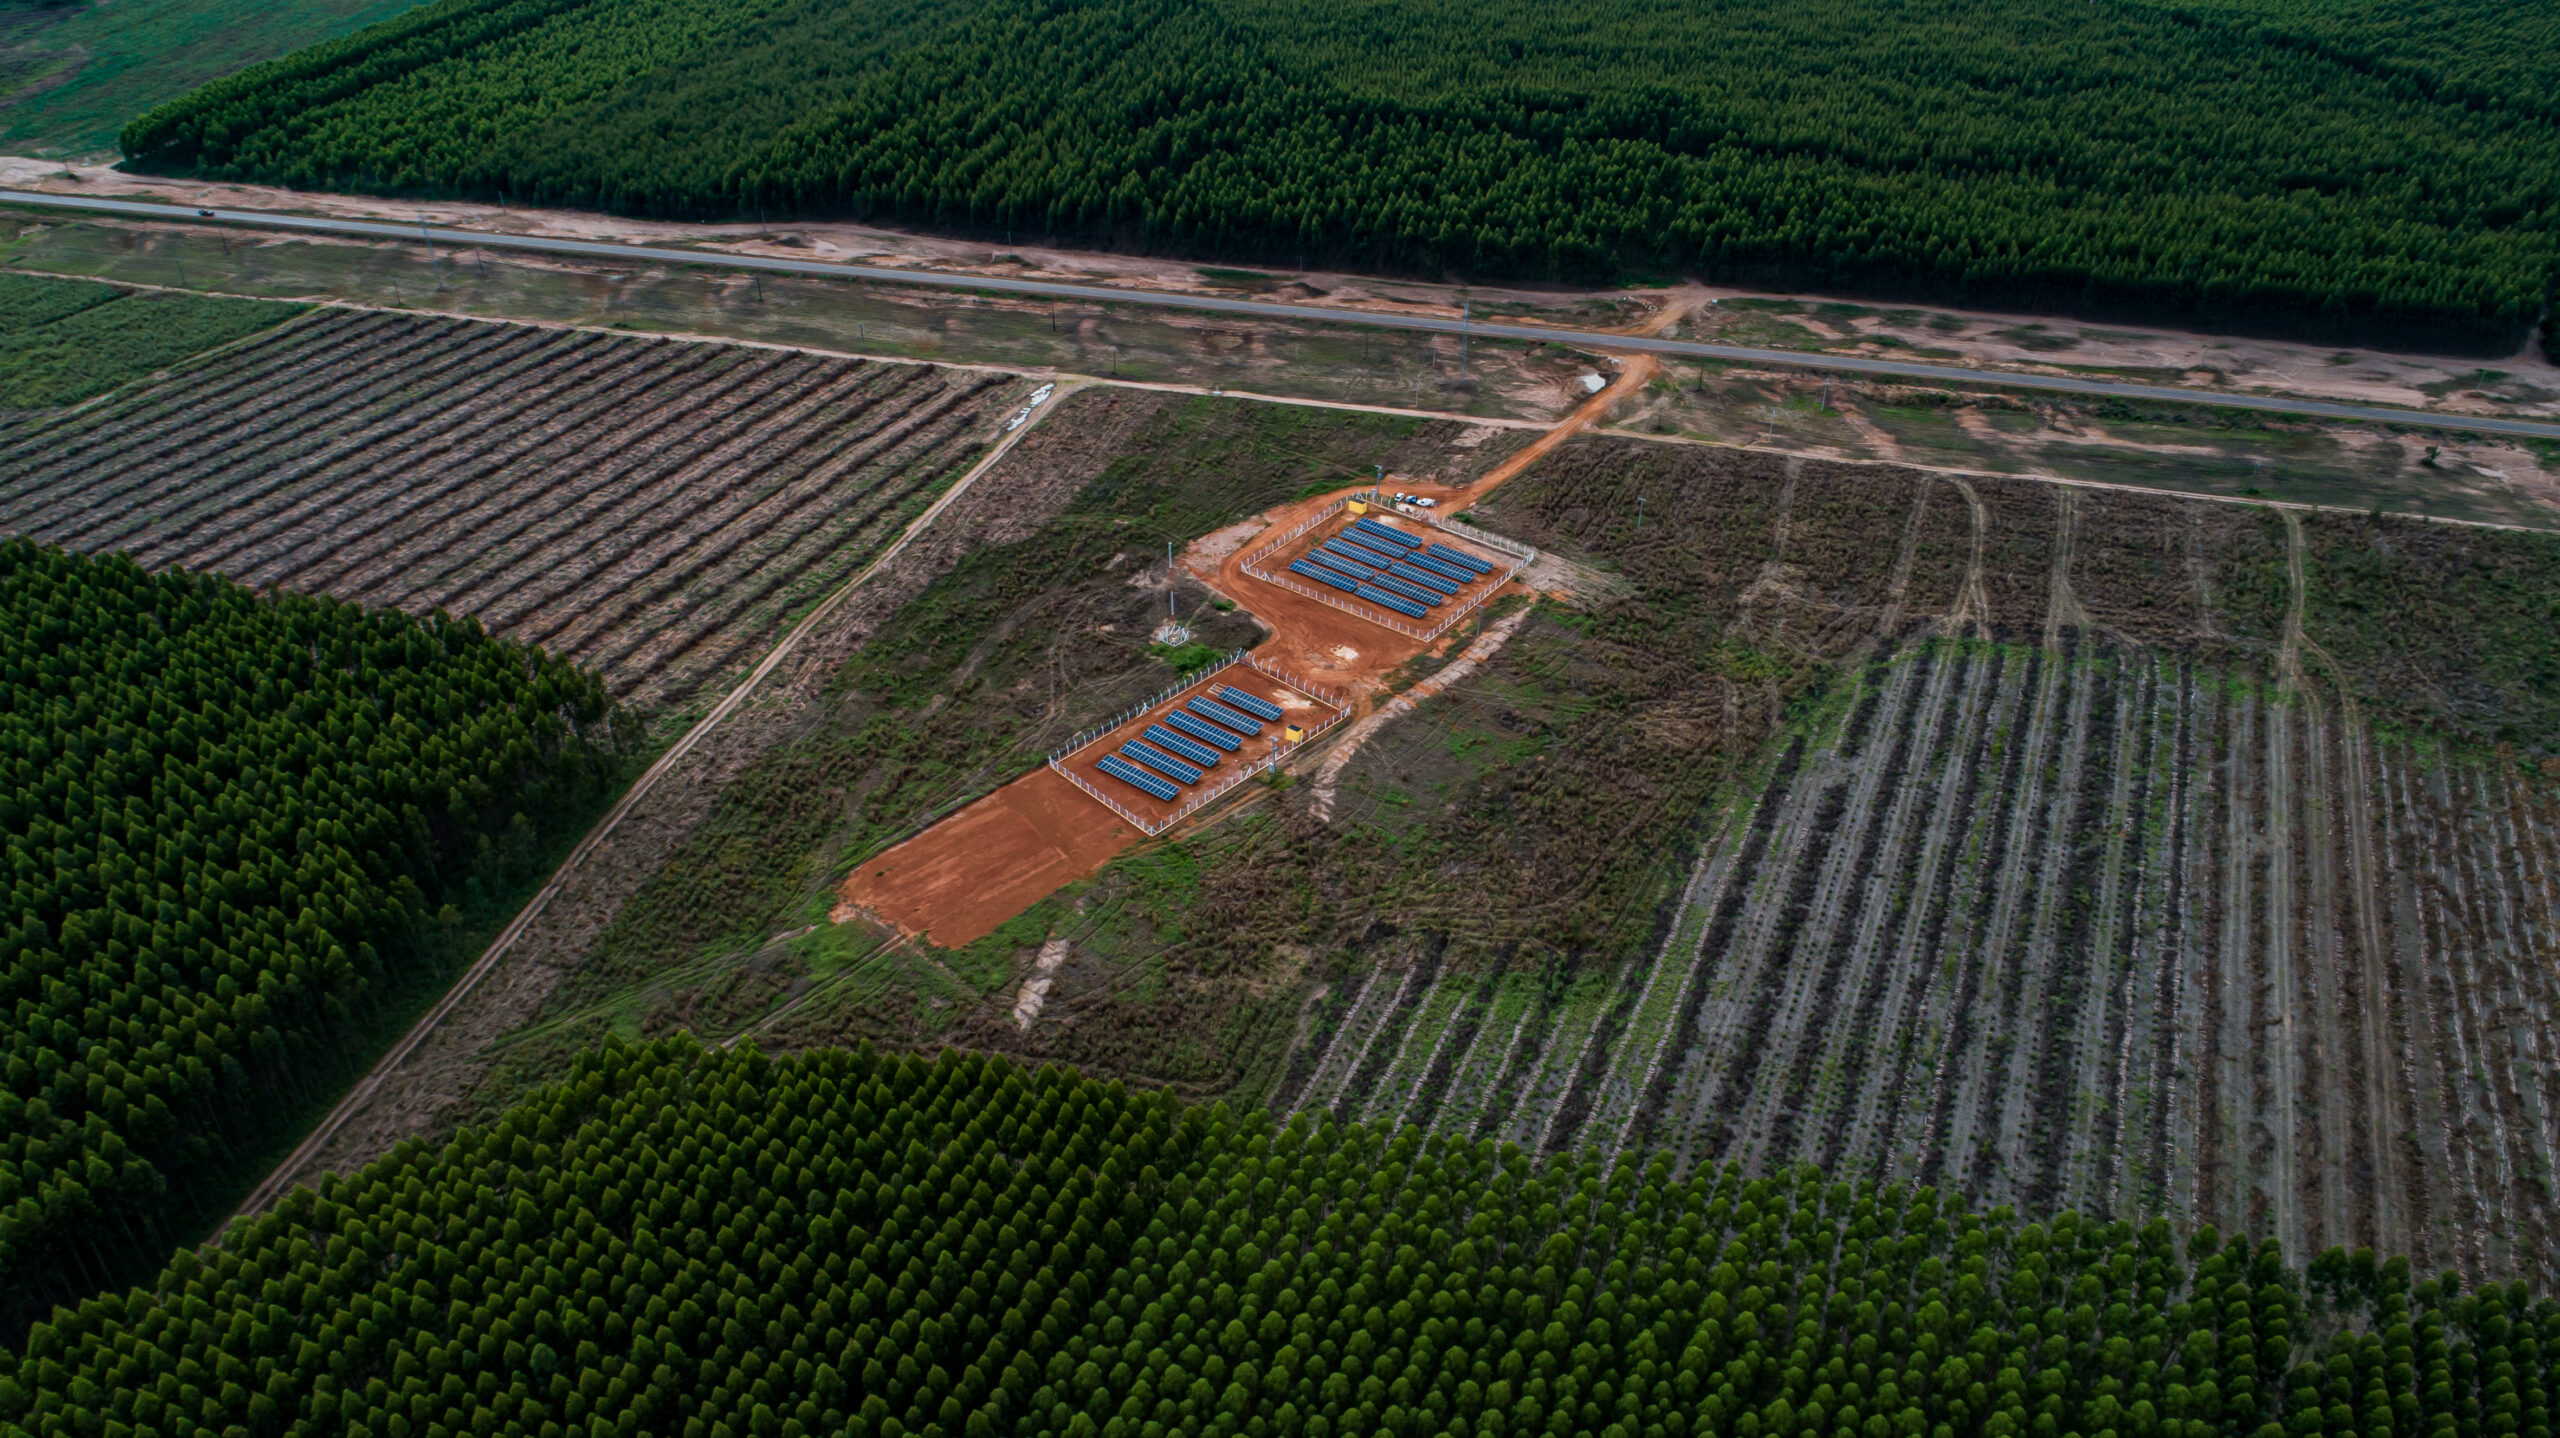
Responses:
[674,1240]
[63,341]
[2265,164]
[231,823]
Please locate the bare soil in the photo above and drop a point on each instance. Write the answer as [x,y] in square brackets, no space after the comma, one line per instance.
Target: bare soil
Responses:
[2526,383]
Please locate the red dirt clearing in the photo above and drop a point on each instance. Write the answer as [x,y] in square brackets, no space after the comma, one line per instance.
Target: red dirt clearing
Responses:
[955,882]
[1301,709]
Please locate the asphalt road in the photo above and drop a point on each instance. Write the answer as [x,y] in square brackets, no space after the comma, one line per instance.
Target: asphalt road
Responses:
[1104,294]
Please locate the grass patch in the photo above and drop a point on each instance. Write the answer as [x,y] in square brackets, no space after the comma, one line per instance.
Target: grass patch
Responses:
[63,341]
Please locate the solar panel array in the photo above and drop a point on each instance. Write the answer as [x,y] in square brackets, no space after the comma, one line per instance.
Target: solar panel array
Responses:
[1220,714]
[1235,698]
[1136,778]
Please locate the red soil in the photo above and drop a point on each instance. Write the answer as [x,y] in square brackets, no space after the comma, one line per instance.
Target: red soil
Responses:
[1301,709]
[957,881]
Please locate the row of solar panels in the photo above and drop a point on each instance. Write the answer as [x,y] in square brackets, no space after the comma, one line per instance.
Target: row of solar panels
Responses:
[1189,742]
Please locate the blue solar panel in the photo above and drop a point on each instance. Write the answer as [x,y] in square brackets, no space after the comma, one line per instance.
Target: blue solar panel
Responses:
[1414,592]
[1217,713]
[1206,733]
[1463,560]
[1376,595]
[1340,565]
[1396,537]
[1135,777]
[1437,583]
[1455,574]
[1249,703]
[1367,551]
[1158,760]
[1323,576]
[1191,749]
[1335,549]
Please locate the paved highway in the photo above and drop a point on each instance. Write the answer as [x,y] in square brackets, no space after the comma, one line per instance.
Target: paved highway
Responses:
[1104,294]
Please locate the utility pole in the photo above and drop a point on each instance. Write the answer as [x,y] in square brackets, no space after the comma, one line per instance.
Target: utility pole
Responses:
[1639,511]
[433,266]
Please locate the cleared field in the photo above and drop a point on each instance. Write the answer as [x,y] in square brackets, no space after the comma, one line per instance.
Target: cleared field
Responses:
[2128,909]
[653,510]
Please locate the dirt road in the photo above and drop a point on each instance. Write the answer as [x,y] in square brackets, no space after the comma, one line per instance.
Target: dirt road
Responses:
[2214,390]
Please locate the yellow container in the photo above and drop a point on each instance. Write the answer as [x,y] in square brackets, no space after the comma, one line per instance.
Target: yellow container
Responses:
[1359,506]
[1294,734]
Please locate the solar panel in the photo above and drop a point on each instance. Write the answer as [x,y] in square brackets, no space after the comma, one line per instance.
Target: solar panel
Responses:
[1367,551]
[1323,576]
[1439,584]
[1217,713]
[1443,568]
[1191,749]
[1347,568]
[1205,732]
[1460,558]
[1396,537]
[1135,777]
[1414,592]
[1249,703]
[1335,549]
[1158,760]
[1379,596]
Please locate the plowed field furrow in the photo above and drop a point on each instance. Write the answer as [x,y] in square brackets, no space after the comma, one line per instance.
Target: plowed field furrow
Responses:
[501,538]
[161,413]
[2234,985]
[316,487]
[43,452]
[1651,1034]
[460,523]
[1449,1055]
[1467,1108]
[2167,1180]
[467,433]
[2125,1178]
[2333,1069]
[1392,1096]
[2516,1013]
[1883,943]
[1925,979]
[699,625]
[2290,1156]
[1388,1041]
[1771,918]
[1958,1058]
[2417,1082]
[1729,880]
[2473,959]
[2466,1115]
[1844,903]
[1326,1076]
[1381,1003]
[290,420]
[1532,1122]
[801,496]
[2079,1162]
[2047,997]
[423,524]
[562,552]
[2437,1046]
[2004,929]
[746,495]
[246,440]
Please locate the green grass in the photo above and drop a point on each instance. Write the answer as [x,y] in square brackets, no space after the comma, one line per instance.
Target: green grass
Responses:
[63,341]
[91,67]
